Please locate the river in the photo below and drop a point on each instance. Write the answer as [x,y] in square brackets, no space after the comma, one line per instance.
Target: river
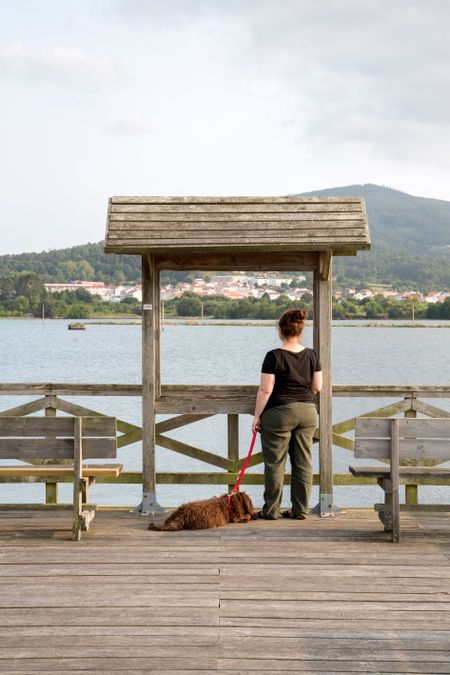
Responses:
[45,351]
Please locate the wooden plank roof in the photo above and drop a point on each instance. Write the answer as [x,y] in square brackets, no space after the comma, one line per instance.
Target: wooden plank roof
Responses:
[227,224]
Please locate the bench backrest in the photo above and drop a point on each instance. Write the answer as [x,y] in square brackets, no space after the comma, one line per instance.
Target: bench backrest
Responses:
[417,438]
[54,437]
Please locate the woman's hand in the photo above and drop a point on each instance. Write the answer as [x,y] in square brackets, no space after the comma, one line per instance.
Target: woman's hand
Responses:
[256,426]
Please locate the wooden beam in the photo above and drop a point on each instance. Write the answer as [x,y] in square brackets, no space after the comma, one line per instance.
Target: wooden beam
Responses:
[87,389]
[230,261]
[150,315]
[325,265]
[322,344]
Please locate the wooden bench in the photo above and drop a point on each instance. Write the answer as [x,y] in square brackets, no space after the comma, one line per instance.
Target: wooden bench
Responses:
[61,438]
[396,440]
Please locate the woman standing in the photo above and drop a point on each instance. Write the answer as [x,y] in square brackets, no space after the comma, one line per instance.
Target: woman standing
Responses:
[286,416]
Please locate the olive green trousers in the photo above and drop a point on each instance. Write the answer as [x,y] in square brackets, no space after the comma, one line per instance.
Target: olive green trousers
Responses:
[287,429]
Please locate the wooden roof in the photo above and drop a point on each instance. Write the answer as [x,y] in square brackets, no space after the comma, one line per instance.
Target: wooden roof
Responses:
[180,225]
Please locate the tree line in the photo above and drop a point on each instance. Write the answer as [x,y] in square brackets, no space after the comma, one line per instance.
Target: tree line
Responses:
[382,265]
[24,294]
[219,307]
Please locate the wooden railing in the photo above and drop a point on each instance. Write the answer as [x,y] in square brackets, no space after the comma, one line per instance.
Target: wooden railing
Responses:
[190,404]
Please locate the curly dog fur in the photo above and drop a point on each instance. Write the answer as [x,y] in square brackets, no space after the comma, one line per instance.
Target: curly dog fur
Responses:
[206,513]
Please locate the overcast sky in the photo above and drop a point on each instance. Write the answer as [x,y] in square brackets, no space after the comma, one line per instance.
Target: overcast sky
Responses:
[213,97]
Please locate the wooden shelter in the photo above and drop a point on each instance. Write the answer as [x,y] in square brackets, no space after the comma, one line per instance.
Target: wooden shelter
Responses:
[234,233]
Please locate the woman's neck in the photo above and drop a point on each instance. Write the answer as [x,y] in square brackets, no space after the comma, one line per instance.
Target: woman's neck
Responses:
[291,344]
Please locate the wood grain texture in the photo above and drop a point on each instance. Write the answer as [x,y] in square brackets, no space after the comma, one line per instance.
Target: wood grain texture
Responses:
[323,595]
[322,337]
[52,470]
[150,359]
[393,439]
[153,224]
[55,426]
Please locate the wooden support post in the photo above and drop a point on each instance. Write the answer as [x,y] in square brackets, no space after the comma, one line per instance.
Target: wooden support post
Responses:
[394,452]
[233,442]
[50,405]
[51,493]
[150,380]
[51,489]
[322,344]
[77,478]
[411,491]
[411,495]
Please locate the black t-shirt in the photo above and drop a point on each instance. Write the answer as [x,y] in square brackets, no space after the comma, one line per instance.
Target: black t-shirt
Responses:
[293,375]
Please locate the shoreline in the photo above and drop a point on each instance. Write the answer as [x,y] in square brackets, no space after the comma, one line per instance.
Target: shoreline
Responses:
[129,321]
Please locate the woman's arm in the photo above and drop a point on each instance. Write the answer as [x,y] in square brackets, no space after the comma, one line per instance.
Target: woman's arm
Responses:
[316,384]
[264,391]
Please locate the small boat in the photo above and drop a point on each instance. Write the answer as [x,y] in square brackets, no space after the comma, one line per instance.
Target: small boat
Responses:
[76,326]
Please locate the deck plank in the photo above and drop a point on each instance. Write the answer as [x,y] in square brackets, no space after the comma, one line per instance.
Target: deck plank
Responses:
[321,596]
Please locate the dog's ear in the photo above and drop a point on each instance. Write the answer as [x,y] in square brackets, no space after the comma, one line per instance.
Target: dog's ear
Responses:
[235,512]
[247,502]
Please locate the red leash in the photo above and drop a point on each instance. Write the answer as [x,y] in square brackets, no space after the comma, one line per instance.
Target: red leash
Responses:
[244,467]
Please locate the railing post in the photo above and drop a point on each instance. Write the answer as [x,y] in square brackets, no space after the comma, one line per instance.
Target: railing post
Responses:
[51,489]
[51,493]
[411,491]
[233,442]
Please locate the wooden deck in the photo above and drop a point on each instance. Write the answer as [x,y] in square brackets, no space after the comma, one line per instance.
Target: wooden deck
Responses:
[321,596]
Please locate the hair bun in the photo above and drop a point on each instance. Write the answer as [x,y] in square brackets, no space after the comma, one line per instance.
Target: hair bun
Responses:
[300,314]
[292,322]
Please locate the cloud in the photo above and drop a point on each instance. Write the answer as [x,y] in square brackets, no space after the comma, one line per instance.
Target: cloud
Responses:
[130,127]
[374,75]
[55,65]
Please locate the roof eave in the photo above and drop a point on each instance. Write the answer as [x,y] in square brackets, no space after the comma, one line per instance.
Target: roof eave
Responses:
[335,248]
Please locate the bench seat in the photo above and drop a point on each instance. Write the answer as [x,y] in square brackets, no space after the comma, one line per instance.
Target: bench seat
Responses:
[61,470]
[403,471]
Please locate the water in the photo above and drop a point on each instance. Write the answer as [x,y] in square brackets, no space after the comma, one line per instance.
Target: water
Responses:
[45,351]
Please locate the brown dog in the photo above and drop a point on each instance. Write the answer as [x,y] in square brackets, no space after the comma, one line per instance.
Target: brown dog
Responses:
[206,513]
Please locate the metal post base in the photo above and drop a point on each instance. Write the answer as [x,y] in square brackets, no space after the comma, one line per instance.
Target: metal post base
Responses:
[148,506]
[326,507]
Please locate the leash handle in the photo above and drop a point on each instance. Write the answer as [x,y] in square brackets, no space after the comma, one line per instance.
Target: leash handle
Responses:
[244,467]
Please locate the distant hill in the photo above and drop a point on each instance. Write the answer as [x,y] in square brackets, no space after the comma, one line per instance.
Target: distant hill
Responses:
[410,248]
[418,225]
[410,239]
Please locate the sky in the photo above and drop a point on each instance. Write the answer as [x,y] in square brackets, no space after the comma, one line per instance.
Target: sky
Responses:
[213,97]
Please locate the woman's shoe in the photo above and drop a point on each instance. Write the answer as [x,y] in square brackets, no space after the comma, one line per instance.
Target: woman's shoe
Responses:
[289,514]
[262,515]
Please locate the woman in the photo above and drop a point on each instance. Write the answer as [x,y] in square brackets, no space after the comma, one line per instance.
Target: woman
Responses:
[286,416]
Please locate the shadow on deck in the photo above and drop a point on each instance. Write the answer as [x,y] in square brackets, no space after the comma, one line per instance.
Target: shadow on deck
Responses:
[319,596]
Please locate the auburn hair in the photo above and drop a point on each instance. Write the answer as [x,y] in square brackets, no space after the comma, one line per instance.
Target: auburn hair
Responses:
[292,322]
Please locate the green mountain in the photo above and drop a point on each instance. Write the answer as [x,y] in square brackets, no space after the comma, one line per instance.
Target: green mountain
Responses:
[410,248]
[417,225]
[410,239]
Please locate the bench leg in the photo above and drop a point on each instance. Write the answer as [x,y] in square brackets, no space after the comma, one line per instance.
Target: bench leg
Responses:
[395,517]
[77,510]
[85,518]
[77,480]
[395,452]
[389,512]
[385,514]
[84,490]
